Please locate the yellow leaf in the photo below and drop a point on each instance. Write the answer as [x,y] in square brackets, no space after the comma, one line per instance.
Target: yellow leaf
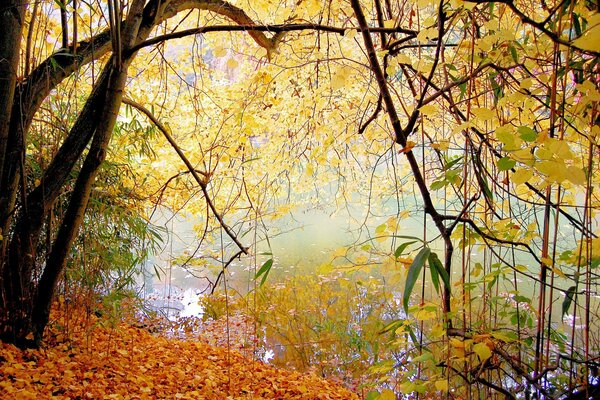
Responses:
[409,146]
[576,175]
[483,114]
[387,394]
[362,259]
[442,385]
[590,39]
[482,350]
[427,109]
[339,79]
[232,63]
[220,51]
[521,175]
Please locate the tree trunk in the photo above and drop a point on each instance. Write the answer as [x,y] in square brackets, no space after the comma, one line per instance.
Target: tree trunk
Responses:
[11,29]
[74,215]
[116,71]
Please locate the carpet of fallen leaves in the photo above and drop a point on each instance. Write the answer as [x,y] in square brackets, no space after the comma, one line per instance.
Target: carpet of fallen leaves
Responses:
[120,361]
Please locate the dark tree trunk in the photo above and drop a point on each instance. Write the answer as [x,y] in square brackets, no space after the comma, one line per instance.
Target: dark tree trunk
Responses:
[73,218]
[12,13]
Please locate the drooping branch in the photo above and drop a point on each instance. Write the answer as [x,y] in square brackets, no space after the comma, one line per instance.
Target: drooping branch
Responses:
[201,182]
[401,137]
[444,93]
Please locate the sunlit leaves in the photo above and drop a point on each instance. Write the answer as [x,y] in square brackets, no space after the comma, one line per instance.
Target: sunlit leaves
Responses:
[590,39]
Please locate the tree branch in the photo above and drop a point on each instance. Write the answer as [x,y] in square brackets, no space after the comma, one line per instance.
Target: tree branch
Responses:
[277,29]
[201,182]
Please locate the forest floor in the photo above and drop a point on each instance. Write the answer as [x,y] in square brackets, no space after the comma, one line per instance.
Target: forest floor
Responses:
[86,357]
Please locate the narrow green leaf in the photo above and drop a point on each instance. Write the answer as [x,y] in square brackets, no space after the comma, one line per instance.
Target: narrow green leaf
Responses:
[569,295]
[485,188]
[435,263]
[413,337]
[435,279]
[408,237]
[522,299]
[452,163]
[392,326]
[413,274]
[426,356]
[156,271]
[250,160]
[264,271]
[513,53]
[577,25]
[400,249]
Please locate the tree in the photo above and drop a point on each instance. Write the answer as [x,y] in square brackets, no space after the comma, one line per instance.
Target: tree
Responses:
[26,291]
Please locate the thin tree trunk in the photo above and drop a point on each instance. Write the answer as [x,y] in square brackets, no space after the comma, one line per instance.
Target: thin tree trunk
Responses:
[11,27]
[12,15]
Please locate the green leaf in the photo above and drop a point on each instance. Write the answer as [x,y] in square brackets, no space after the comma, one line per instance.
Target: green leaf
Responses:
[250,160]
[452,163]
[400,249]
[438,184]
[522,299]
[413,274]
[408,237]
[485,188]
[392,326]
[569,295]
[527,134]
[435,278]
[506,163]
[374,395]
[435,263]
[505,337]
[426,356]
[264,271]
[513,53]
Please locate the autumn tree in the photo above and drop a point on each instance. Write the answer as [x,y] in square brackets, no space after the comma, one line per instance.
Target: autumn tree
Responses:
[26,290]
